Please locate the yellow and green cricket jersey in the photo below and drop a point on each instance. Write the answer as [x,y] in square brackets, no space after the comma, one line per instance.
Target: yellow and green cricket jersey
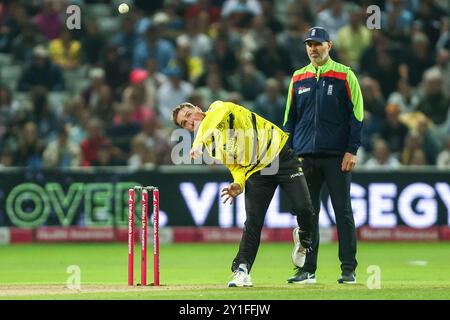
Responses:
[239,138]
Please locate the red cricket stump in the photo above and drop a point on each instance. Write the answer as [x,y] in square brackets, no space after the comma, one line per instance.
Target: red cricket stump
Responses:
[144,237]
[144,233]
[156,236]
[131,208]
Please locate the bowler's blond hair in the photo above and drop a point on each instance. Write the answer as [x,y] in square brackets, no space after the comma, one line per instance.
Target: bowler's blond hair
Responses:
[178,108]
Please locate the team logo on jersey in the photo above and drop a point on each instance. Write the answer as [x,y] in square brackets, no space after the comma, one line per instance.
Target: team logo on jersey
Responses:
[303,90]
[220,126]
[330,90]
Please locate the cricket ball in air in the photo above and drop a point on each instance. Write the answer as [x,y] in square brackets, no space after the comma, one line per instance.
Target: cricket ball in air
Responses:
[123,8]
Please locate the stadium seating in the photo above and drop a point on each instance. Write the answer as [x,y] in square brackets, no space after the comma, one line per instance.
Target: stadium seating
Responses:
[98,10]
[5,59]
[108,25]
[10,74]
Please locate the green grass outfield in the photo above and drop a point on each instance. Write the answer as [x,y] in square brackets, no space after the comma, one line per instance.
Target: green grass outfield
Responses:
[201,271]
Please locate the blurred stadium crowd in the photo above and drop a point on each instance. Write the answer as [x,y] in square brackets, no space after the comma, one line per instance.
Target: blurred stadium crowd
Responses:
[102,95]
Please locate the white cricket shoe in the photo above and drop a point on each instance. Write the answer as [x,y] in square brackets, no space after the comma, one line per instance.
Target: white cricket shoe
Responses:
[241,278]
[298,253]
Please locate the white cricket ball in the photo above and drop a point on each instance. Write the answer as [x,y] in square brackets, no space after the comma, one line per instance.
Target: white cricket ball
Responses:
[123,8]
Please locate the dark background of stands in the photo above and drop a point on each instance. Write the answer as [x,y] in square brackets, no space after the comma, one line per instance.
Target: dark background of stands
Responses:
[102,95]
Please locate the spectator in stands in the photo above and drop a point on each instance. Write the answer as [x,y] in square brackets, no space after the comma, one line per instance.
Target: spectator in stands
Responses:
[271,104]
[41,71]
[138,83]
[171,22]
[252,39]
[140,110]
[48,21]
[153,46]
[444,38]
[65,51]
[6,158]
[10,114]
[108,155]
[149,79]
[197,98]
[149,7]
[150,147]
[154,78]
[13,21]
[374,113]
[418,158]
[416,78]
[443,65]
[42,114]
[105,104]
[306,10]
[172,93]
[140,155]
[123,129]
[413,150]
[156,140]
[379,62]
[191,66]
[126,39]
[353,39]
[223,29]
[223,57]
[211,66]
[270,16]
[248,80]
[433,103]
[62,153]
[142,22]
[5,110]
[405,96]
[213,90]
[417,58]
[200,43]
[381,157]
[333,17]
[398,20]
[240,12]
[204,26]
[98,96]
[117,70]
[203,6]
[429,18]
[92,44]
[90,146]
[291,39]
[236,97]
[370,132]
[431,146]
[374,102]
[272,59]
[393,130]
[24,42]
[30,147]
[76,117]
[443,158]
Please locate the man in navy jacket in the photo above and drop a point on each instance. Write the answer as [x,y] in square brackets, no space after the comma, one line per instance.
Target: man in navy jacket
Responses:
[324,115]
